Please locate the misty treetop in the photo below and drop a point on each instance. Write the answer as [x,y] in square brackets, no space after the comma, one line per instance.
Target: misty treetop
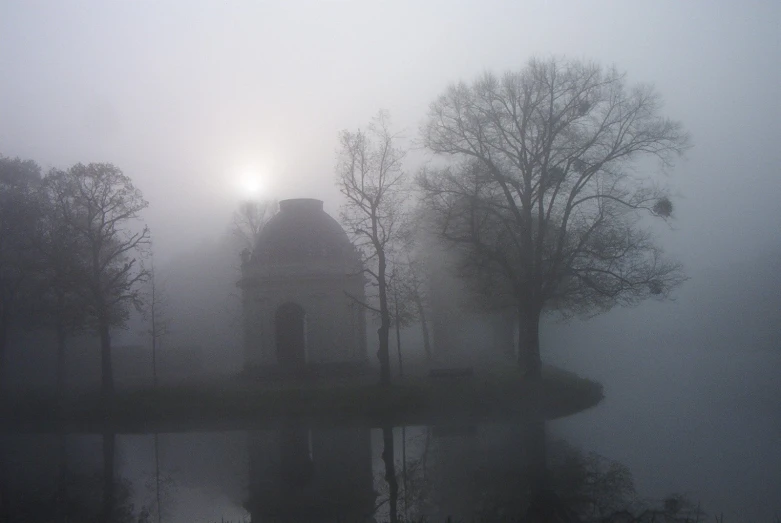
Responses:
[543,192]
[95,204]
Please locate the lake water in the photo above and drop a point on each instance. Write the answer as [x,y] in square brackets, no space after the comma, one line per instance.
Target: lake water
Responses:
[719,448]
[687,409]
[293,473]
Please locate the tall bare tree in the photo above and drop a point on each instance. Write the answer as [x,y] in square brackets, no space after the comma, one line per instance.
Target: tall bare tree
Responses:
[546,187]
[99,203]
[370,175]
[64,259]
[19,216]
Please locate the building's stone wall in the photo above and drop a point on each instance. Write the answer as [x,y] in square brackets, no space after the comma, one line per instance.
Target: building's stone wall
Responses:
[328,289]
[334,322]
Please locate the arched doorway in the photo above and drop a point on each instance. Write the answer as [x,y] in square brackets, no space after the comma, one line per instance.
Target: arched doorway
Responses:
[289,321]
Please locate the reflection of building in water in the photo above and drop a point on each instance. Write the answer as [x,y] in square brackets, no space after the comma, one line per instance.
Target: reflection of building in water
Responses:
[298,474]
[299,287]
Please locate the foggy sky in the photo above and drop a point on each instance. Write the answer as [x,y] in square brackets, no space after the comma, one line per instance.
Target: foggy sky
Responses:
[185,95]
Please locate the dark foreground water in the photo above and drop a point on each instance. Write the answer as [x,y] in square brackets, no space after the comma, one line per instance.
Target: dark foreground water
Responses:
[291,474]
[485,472]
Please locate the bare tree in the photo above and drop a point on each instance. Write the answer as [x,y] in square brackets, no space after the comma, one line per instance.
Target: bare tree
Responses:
[416,292]
[19,217]
[250,218]
[99,202]
[402,312]
[64,260]
[410,295]
[545,193]
[369,174]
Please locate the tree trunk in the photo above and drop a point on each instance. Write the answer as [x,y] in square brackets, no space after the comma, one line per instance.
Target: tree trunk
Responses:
[383,331]
[109,440]
[154,358]
[398,333]
[424,327]
[388,457]
[107,381]
[383,354]
[529,341]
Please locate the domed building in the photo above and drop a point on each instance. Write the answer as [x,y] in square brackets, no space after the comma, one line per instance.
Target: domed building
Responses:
[300,288]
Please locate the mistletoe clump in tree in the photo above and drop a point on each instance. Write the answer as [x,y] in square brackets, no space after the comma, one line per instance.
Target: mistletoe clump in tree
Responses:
[544,191]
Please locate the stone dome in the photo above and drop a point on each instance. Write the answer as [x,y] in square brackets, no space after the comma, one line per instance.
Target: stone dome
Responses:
[303,232]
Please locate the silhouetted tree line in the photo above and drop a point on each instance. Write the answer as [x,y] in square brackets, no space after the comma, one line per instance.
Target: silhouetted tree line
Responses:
[71,248]
[537,193]
[539,190]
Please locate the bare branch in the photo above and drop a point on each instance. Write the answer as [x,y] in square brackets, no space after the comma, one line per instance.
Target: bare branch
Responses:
[543,191]
[370,175]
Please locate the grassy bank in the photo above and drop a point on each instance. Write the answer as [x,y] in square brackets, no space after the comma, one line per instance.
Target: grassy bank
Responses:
[247,404]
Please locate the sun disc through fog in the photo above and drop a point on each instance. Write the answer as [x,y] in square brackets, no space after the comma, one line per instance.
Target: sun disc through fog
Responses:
[250,184]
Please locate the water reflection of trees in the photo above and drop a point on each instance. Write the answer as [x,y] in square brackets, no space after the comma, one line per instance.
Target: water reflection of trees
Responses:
[39,484]
[510,472]
[462,472]
[515,473]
